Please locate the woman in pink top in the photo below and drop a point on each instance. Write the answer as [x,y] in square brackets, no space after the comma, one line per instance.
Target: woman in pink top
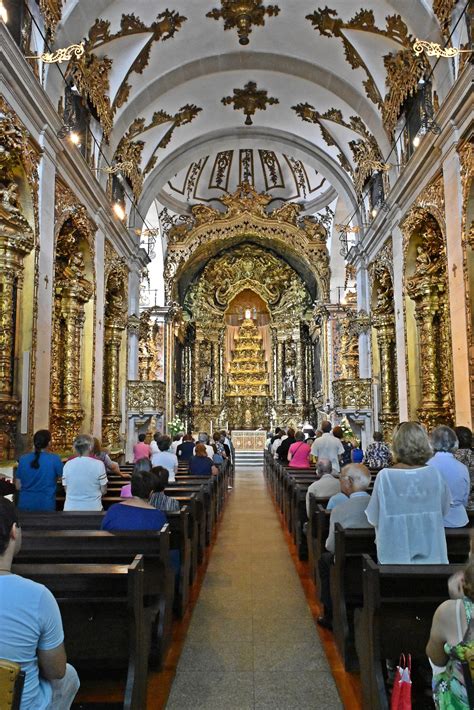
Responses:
[141,450]
[298,453]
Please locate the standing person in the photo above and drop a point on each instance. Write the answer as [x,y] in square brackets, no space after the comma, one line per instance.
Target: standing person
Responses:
[445,442]
[141,450]
[37,475]
[84,477]
[31,628]
[346,457]
[299,452]
[99,453]
[328,446]
[282,451]
[464,453]
[377,455]
[409,502]
[451,637]
[165,458]
[186,449]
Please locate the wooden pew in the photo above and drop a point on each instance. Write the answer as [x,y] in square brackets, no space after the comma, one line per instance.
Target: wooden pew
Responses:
[180,538]
[398,606]
[316,534]
[54,546]
[346,579]
[106,623]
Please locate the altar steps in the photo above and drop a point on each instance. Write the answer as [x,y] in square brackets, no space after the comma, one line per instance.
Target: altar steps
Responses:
[246,459]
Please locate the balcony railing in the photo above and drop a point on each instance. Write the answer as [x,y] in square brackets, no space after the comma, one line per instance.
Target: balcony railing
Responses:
[146,397]
[352,394]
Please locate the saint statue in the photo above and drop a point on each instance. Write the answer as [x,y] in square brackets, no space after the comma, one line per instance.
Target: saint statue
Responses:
[206,388]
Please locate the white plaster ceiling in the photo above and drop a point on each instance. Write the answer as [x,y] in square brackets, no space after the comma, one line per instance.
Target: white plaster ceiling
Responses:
[202,63]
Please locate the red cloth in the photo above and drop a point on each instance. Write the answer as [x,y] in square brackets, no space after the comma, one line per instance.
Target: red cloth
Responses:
[401,692]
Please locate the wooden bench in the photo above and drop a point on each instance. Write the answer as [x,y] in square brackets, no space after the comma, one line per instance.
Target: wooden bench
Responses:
[316,534]
[398,606]
[88,546]
[106,622]
[346,579]
[180,538]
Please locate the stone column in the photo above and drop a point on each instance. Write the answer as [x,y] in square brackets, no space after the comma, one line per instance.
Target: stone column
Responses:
[398,280]
[457,288]
[111,417]
[134,313]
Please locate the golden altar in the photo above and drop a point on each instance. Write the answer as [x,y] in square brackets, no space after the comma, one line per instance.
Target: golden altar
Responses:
[248,440]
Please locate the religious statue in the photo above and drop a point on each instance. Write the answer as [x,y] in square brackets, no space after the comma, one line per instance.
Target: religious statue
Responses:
[289,386]
[206,387]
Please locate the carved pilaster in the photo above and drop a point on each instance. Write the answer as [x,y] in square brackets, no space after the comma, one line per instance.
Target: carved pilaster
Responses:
[111,417]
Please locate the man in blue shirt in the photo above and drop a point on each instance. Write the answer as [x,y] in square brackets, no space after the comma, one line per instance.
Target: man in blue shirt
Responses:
[31,628]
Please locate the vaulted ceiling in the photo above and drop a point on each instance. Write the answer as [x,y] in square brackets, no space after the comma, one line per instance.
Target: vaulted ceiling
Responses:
[314,90]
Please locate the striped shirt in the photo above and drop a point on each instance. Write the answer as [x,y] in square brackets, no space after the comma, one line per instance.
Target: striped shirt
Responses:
[162,502]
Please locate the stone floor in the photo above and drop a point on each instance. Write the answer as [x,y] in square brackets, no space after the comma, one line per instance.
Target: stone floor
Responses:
[252,641]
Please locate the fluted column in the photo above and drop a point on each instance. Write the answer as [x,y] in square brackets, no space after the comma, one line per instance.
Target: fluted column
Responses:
[385,327]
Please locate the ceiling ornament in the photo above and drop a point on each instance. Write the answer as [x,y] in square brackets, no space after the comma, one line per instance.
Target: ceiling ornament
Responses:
[433,49]
[64,54]
[403,69]
[242,14]
[129,150]
[443,10]
[52,12]
[246,215]
[366,153]
[250,99]
[91,74]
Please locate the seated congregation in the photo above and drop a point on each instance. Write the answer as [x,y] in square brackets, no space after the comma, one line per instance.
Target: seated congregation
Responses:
[99,559]
[387,534]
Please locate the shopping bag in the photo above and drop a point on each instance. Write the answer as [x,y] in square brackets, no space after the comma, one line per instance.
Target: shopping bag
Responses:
[401,692]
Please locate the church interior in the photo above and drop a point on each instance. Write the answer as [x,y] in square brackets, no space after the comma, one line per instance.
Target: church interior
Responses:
[234,215]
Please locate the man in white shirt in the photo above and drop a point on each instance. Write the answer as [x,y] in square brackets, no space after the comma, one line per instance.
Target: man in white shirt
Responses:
[326,485]
[328,446]
[355,480]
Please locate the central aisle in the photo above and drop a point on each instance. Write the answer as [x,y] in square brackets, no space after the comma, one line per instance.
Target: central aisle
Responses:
[252,642]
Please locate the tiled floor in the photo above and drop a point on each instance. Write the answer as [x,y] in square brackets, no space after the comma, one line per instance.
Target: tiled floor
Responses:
[252,642]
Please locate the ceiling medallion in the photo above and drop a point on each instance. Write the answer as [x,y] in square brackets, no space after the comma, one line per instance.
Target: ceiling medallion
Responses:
[242,14]
[249,99]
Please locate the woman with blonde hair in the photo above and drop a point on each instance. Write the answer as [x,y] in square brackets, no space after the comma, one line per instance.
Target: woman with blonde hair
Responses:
[409,502]
[450,648]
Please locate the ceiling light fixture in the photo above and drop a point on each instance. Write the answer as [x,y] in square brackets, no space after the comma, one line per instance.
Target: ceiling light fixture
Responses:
[119,211]
[3,13]
[75,138]
[416,140]
[374,212]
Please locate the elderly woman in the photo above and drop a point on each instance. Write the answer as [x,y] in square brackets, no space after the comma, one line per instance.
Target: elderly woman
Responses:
[299,452]
[409,502]
[445,442]
[84,477]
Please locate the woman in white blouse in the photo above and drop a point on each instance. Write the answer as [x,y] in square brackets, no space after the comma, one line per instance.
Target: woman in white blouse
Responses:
[409,502]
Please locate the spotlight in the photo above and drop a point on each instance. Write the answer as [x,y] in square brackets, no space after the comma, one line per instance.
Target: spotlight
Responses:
[119,211]
[374,213]
[75,138]
[3,13]
[416,141]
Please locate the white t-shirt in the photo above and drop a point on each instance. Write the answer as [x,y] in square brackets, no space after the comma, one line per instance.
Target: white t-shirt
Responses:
[329,447]
[83,477]
[168,460]
[29,620]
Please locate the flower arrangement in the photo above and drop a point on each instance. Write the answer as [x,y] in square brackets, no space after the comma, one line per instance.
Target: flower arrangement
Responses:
[175,426]
[346,428]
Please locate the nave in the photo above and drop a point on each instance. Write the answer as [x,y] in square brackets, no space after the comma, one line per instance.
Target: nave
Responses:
[249,638]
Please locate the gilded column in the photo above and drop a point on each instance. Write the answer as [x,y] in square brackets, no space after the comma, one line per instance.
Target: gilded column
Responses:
[280,366]
[196,355]
[300,376]
[215,372]
[385,327]
[111,417]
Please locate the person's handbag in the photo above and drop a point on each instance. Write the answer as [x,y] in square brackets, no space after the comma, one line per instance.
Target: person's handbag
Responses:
[401,691]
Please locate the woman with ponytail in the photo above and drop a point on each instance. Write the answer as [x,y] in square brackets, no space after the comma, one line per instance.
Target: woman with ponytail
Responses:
[37,475]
